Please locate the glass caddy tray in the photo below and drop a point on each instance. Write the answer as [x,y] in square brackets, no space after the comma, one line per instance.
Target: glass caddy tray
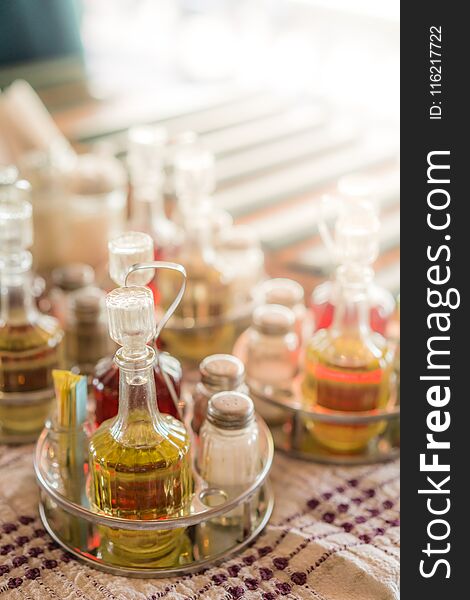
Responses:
[293,426]
[207,540]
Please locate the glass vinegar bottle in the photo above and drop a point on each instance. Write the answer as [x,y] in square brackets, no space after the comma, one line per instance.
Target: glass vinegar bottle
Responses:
[126,250]
[139,461]
[30,342]
[348,366]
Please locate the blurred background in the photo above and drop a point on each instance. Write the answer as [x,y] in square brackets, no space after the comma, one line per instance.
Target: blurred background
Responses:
[289,95]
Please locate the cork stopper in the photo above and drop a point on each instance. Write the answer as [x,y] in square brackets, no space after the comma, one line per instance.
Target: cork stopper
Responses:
[230,410]
[127,249]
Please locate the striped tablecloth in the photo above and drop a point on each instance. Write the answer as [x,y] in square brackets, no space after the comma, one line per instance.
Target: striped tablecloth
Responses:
[334,535]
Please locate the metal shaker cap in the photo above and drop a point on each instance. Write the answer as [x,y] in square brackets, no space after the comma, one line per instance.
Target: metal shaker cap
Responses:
[274,319]
[222,371]
[230,410]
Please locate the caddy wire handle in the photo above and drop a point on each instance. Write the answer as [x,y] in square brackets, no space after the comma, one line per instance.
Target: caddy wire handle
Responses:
[170,266]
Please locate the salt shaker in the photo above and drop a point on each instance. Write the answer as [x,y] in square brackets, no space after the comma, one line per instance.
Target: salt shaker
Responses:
[272,351]
[219,373]
[229,456]
[288,293]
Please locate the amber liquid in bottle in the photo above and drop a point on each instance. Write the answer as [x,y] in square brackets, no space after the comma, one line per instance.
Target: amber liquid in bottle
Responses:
[201,329]
[347,370]
[139,461]
[30,347]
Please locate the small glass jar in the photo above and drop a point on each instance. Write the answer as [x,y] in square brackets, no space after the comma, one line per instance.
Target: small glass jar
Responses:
[272,353]
[219,373]
[288,293]
[79,202]
[229,456]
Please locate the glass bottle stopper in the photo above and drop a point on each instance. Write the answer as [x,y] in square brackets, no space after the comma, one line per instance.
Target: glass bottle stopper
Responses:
[357,236]
[230,410]
[273,319]
[16,224]
[194,177]
[131,318]
[127,249]
[222,371]
[146,147]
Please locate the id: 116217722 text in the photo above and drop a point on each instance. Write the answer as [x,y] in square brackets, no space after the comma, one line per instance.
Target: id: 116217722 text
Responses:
[435,71]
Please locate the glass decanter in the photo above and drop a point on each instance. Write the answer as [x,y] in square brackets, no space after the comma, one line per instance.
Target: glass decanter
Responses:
[146,161]
[139,460]
[348,366]
[355,241]
[30,342]
[126,250]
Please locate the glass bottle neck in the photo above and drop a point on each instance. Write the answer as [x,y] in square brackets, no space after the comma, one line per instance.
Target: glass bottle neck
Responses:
[351,315]
[17,301]
[148,204]
[138,415]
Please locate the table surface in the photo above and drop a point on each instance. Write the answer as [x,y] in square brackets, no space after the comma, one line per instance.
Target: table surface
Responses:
[334,534]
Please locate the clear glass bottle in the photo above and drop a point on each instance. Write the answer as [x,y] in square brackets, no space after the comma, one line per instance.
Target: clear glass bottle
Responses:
[219,373]
[86,331]
[145,161]
[229,458]
[355,241]
[30,342]
[348,366]
[126,250]
[139,460]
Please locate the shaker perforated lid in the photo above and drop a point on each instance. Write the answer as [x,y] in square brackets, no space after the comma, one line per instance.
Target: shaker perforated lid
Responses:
[230,410]
[16,224]
[274,319]
[127,249]
[280,290]
[194,175]
[131,317]
[222,371]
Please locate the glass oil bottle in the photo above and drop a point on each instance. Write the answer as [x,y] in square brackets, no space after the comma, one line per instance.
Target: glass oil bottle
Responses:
[30,342]
[126,250]
[348,367]
[200,325]
[355,241]
[139,461]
